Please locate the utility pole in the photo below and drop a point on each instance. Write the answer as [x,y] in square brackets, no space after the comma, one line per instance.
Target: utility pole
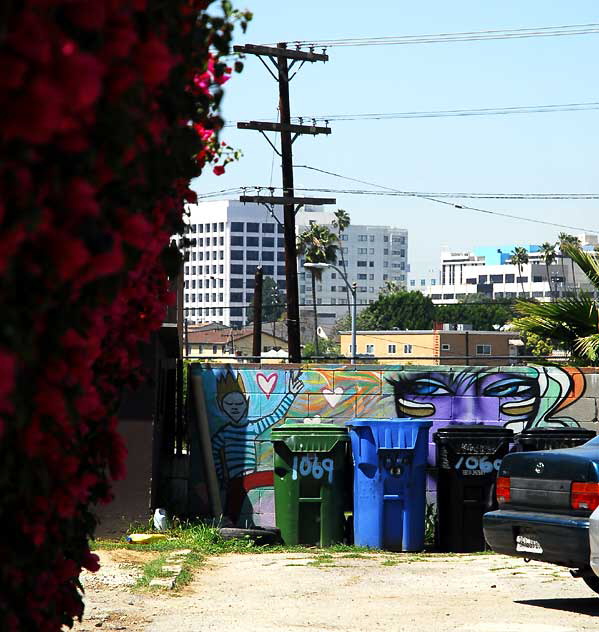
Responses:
[257,338]
[278,56]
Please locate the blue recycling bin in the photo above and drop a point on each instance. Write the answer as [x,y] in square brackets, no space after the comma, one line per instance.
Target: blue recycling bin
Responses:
[390,458]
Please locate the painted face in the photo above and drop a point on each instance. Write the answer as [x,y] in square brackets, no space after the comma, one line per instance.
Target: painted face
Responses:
[235,406]
[467,396]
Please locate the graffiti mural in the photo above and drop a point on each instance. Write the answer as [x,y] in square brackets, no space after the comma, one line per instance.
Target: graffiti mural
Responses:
[245,402]
[517,397]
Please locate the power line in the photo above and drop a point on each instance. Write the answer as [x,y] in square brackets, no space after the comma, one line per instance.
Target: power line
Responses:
[466,36]
[460,113]
[438,194]
[457,206]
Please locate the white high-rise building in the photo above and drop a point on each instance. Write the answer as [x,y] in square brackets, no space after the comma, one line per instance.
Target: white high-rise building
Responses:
[230,239]
[488,271]
[373,255]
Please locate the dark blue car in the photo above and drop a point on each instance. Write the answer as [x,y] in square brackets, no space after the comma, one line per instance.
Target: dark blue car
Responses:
[545,501]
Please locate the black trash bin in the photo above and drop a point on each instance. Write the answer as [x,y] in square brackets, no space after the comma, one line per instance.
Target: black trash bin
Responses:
[552,438]
[468,459]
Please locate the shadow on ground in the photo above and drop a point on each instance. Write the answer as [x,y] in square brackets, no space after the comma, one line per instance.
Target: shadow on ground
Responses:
[586,605]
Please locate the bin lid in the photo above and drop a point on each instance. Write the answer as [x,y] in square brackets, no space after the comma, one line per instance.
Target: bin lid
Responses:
[364,421]
[306,437]
[555,433]
[461,431]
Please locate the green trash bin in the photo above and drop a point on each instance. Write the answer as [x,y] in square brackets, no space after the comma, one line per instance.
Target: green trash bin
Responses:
[310,480]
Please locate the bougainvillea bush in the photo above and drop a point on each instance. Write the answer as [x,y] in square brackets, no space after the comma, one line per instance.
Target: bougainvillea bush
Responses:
[107,109]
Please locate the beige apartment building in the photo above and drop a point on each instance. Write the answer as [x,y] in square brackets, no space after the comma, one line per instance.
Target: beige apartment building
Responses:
[433,347]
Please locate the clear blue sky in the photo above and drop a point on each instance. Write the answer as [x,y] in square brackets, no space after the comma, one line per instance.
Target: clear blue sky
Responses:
[551,152]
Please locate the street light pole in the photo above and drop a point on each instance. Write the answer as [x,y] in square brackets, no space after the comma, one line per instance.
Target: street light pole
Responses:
[352,287]
[354,311]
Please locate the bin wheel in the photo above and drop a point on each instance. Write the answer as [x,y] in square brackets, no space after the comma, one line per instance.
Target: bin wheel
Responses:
[257,535]
[592,582]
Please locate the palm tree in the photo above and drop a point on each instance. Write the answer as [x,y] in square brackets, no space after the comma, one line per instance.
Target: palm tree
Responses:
[319,245]
[341,222]
[548,256]
[519,258]
[572,322]
[564,240]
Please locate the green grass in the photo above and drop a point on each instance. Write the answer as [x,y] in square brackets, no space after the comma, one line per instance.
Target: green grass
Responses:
[153,570]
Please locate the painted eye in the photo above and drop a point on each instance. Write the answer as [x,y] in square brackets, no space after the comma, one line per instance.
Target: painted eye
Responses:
[509,388]
[428,387]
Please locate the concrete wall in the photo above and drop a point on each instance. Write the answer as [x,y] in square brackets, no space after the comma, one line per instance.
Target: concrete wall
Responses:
[245,402]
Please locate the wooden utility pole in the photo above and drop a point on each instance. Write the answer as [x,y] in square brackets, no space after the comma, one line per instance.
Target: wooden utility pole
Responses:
[257,338]
[278,56]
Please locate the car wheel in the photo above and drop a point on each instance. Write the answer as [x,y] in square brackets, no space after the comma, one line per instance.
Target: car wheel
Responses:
[592,582]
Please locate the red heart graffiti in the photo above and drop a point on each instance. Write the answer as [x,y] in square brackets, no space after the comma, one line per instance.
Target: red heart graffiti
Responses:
[267,383]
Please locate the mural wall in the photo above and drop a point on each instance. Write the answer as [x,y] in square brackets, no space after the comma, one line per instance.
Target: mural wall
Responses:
[244,402]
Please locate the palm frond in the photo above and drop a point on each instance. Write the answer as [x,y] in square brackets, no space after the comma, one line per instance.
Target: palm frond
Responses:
[588,347]
[586,261]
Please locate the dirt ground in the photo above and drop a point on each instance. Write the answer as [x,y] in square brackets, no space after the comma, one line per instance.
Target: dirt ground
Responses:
[346,592]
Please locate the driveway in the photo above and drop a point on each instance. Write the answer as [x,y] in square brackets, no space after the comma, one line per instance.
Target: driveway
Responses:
[346,592]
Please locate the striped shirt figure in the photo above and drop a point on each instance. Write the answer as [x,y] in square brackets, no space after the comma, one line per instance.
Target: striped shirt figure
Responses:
[233,445]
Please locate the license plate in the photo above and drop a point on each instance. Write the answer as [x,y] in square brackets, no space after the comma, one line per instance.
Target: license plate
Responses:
[526,544]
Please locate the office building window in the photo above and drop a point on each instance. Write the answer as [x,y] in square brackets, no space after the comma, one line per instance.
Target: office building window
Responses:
[407,348]
[250,283]
[280,242]
[445,347]
[269,270]
[236,227]
[252,227]
[362,237]
[252,241]
[362,251]
[236,283]
[510,278]
[391,349]
[252,255]
[237,255]
[362,264]
[362,277]
[236,268]
[521,279]
[371,264]
[483,349]
[236,240]
[281,271]
[344,237]
[268,242]
[371,237]
[236,297]
[268,228]
[268,255]
[369,348]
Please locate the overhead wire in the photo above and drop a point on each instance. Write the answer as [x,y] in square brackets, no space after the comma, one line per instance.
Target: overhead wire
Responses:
[451,204]
[585,106]
[464,36]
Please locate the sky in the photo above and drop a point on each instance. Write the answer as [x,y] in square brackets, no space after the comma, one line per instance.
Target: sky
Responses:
[524,153]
